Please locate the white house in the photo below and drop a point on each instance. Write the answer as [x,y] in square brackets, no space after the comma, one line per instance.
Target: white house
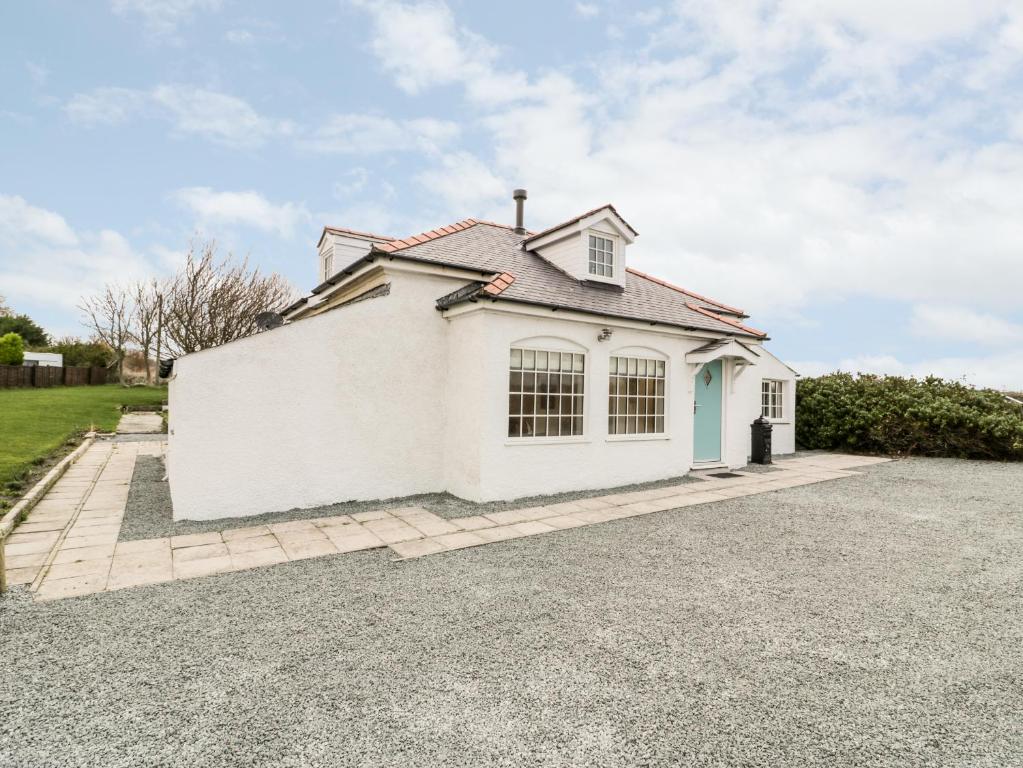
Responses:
[478,359]
[45,359]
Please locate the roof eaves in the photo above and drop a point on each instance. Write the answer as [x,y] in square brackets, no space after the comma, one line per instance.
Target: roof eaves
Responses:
[687,292]
[649,321]
[729,321]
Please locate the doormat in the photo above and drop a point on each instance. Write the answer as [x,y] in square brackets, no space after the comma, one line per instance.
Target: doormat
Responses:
[724,475]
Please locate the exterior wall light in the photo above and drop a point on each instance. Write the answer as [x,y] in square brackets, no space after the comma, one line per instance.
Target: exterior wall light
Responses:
[605,334]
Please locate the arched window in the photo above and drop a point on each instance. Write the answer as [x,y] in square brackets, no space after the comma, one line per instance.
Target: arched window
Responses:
[636,396]
[545,392]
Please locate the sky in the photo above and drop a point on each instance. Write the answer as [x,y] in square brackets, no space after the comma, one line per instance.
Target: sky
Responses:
[849,172]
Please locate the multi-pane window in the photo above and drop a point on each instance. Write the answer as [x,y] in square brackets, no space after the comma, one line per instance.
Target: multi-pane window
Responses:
[635,396]
[602,256]
[771,398]
[328,265]
[545,393]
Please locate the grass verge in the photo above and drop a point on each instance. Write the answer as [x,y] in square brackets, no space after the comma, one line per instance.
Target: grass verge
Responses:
[38,426]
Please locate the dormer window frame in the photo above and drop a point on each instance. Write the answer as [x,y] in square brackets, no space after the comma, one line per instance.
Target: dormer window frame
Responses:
[328,265]
[616,255]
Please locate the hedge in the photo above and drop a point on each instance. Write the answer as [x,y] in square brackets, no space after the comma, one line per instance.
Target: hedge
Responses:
[905,416]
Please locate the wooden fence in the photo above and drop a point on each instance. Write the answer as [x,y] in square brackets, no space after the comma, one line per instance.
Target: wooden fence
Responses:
[50,376]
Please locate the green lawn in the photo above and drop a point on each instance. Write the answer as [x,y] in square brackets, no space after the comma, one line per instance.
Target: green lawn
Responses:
[35,423]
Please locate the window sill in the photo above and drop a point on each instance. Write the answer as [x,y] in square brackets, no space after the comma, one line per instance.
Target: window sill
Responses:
[546,440]
[635,438]
[780,421]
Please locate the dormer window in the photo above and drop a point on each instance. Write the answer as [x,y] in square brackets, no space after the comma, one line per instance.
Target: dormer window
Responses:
[328,265]
[602,256]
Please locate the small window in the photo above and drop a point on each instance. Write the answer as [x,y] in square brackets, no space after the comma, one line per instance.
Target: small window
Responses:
[328,266]
[545,393]
[772,398]
[635,398]
[602,256]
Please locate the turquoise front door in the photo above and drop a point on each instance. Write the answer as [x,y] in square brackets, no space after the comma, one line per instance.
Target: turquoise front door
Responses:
[707,414]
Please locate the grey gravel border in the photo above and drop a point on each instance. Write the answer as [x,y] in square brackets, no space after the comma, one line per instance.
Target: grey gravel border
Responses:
[149,512]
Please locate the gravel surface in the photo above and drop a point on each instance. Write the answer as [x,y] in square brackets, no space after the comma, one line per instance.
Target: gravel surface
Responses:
[149,513]
[872,621]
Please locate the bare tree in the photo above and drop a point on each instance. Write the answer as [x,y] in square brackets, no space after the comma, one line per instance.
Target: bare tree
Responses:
[108,315]
[212,301]
[5,311]
[145,325]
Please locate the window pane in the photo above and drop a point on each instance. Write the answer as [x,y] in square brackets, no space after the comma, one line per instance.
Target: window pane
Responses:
[579,384]
[515,384]
[541,427]
[577,425]
[566,425]
[541,361]
[541,382]
[529,382]
[613,366]
[632,366]
[514,404]
[660,368]
[577,405]
[552,428]
[516,358]
[612,406]
[610,425]
[528,359]
[641,367]
[528,404]
[659,424]
[513,426]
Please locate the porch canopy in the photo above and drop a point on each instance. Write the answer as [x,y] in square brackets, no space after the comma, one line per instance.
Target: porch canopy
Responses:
[742,354]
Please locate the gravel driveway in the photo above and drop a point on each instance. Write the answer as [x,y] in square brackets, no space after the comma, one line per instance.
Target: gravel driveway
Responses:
[869,621]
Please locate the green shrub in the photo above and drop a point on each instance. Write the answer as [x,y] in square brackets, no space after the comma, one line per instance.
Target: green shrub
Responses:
[77,352]
[12,349]
[896,415]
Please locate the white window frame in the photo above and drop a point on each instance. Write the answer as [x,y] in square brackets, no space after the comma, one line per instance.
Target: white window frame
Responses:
[614,253]
[615,378]
[328,266]
[772,399]
[577,401]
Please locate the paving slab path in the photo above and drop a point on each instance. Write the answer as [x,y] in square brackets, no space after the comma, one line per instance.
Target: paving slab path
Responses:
[68,545]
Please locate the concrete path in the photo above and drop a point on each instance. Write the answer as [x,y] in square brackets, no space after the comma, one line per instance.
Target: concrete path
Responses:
[140,423]
[68,545]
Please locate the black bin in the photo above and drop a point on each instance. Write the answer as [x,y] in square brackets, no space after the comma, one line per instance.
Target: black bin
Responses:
[760,452]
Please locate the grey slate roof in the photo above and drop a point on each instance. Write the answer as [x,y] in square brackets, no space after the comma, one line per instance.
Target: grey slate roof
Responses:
[491,248]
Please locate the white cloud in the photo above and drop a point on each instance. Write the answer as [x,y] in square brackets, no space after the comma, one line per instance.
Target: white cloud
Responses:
[464,183]
[75,263]
[39,73]
[162,17]
[218,117]
[105,106]
[950,323]
[22,224]
[248,208]
[442,53]
[587,10]
[369,134]
[239,36]
[1001,371]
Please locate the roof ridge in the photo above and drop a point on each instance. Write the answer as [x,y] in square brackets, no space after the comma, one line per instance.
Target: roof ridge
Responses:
[708,313]
[686,291]
[357,233]
[398,244]
[425,237]
[581,216]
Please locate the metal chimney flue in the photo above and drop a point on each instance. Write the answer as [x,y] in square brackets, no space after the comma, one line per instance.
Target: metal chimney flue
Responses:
[519,196]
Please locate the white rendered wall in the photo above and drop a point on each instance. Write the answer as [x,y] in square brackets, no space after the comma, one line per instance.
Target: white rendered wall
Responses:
[336,407]
[515,468]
